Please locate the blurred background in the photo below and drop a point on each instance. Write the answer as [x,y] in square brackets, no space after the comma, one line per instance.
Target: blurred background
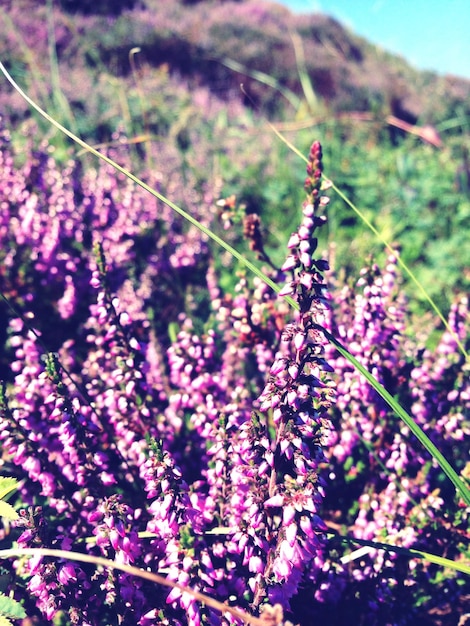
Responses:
[186,89]
[430,35]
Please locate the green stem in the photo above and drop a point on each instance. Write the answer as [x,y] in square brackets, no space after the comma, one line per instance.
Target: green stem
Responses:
[407,419]
[410,553]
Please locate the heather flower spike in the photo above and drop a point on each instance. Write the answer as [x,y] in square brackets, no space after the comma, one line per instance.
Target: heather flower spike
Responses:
[298,394]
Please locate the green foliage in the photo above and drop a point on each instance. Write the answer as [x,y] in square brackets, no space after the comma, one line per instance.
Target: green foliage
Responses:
[7,511]
[7,485]
[408,193]
[10,608]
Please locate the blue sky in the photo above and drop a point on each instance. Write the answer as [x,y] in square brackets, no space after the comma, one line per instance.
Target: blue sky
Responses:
[430,34]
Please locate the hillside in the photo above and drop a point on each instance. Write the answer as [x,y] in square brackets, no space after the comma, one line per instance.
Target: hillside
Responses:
[165,77]
[219,45]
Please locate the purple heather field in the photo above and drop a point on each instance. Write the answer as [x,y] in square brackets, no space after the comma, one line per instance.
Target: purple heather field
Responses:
[167,408]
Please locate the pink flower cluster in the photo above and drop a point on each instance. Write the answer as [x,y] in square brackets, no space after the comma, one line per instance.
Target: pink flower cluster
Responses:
[118,434]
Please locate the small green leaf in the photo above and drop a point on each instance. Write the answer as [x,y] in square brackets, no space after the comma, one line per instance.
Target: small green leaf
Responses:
[9,607]
[7,484]
[4,621]
[173,329]
[6,510]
